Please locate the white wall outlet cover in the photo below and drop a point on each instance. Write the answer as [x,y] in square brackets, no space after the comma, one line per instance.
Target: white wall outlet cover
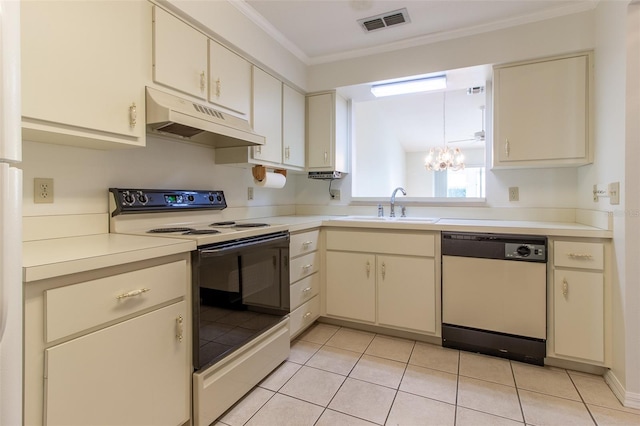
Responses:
[613,190]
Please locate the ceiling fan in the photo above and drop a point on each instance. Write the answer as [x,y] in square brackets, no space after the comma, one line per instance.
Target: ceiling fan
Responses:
[477,136]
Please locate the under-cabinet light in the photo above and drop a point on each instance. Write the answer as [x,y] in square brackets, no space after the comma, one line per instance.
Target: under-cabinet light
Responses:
[410,86]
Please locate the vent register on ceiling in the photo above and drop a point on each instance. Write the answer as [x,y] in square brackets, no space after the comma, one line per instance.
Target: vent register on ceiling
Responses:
[385,20]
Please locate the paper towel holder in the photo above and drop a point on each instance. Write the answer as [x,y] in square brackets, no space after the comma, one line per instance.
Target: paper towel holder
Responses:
[260,172]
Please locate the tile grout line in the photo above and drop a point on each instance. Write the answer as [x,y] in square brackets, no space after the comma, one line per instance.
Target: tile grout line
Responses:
[581,398]
[455,406]
[406,366]
[515,385]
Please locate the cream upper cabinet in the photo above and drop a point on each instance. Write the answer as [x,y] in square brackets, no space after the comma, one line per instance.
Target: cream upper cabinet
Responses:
[385,278]
[580,314]
[179,55]
[542,112]
[84,68]
[327,138]
[267,116]
[229,80]
[293,125]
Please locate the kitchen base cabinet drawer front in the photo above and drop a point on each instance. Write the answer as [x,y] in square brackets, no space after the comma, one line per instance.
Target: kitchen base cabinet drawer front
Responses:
[417,244]
[134,373]
[304,266]
[572,254]
[78,307]
[219,387]
[305,315]
[407,293]
[351,285]
[305,242]
[578,299]
[304,290]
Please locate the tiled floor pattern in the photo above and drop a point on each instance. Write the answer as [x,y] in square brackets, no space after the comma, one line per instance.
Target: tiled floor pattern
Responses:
[339,376]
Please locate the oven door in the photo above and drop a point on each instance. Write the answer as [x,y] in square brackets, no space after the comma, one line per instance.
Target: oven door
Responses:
[240,290]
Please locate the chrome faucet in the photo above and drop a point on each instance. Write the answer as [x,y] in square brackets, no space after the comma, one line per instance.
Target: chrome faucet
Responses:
[393,200]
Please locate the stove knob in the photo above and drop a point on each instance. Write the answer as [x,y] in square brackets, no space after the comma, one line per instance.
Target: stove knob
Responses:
[219,198]
[190,198]
[143,199]
[211,198]
[524,251]
[128,199]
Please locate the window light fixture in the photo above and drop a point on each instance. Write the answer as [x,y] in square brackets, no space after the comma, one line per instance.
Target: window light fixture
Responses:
[410,86]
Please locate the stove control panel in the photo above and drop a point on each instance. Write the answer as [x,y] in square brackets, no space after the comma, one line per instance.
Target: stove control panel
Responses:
[123,201]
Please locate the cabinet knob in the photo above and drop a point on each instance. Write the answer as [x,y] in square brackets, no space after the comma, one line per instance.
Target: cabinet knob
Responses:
[179,328]
[384,270]
[286,153]
[565,287]
[133,115]
[218,88]
[203,81]
[507,148]
[326,157]
[368,268]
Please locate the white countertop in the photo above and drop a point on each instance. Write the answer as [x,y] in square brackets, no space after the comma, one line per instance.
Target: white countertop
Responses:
[550,229]
[61,256]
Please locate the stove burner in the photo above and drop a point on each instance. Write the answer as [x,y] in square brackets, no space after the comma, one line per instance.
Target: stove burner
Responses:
[226,223]
[201,231]
[250,225]
[169,230]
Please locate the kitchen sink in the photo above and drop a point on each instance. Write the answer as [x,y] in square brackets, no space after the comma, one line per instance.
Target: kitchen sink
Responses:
[411,219]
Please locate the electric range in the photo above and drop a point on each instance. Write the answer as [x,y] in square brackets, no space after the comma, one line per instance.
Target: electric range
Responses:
[240,286]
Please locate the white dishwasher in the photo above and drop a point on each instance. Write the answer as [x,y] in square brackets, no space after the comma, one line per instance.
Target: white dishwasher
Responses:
[494,294]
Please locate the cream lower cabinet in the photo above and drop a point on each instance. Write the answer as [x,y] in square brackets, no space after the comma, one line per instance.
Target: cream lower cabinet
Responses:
[386,278]
[304,274]
[579,296]
[110,347]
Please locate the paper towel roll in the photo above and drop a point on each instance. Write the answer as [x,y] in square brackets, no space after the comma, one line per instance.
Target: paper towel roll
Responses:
[271,180]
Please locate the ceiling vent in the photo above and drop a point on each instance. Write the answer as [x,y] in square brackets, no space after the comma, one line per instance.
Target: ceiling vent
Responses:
[385,20]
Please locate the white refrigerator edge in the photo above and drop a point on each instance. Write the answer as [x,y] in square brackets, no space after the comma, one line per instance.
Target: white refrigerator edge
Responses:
[10,217]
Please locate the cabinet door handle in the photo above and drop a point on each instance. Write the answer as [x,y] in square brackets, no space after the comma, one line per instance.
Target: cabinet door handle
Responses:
[203,82]
[306,244]
[179,328]
[565,287]
[580,255]
[507,147]
[368,268]
[307,267]
[218,88]
[384,270]
[326,157]
[307,315]
[133,115]
[133,293]
[286,152]
[306,290]
[257,149]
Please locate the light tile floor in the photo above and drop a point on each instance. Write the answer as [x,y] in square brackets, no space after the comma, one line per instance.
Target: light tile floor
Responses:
[340,376]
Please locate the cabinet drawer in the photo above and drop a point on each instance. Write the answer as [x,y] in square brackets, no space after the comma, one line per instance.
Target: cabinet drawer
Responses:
[77,307]
[416,244]
[304,316]
[305,242]
[578,255]
[304,290]
[304,266]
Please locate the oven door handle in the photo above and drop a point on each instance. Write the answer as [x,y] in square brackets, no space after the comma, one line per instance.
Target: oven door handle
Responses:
[233,246]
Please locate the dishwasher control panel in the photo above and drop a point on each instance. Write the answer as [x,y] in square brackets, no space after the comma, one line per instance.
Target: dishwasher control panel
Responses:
[524,251]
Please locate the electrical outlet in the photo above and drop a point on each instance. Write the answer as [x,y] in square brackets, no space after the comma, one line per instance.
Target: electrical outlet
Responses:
[250,193]
[335,194]
[43,190]
[514,193]
[614,193]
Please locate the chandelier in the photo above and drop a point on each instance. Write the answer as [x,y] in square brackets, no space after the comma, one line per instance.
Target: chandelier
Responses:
[443,158]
